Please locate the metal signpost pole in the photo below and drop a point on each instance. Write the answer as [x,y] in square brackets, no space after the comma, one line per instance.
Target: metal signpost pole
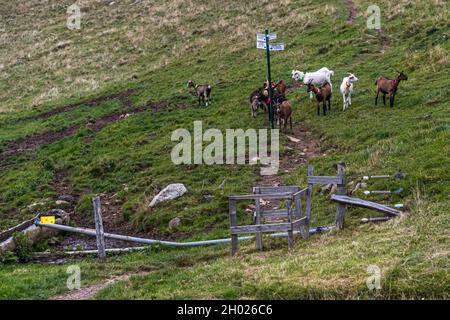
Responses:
[269,80]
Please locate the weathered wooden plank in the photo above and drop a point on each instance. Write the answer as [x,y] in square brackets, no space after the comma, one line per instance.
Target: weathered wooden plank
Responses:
[309,194]
[233,222]
[298,201]
[261,196]
[99,228]
[290,239]
[299,194]
[290,232]
[274,214]
[324,180]
[262,228]
[9,233]
[340,208]
[364,203]
[280,189]
[297,222]
[259,245]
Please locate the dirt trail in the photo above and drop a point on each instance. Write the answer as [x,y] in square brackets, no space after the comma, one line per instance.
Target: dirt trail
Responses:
[384,41]
[121,96]
[353,11]
[302,146]
[86,293]
[22,146]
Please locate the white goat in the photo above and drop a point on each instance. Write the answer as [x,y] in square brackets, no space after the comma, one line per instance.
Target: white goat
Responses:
[347,89]
[317,78]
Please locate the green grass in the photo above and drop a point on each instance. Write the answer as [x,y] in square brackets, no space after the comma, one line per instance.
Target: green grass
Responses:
[160,48]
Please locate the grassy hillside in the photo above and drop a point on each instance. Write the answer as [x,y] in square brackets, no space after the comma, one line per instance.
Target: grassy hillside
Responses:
[51,78]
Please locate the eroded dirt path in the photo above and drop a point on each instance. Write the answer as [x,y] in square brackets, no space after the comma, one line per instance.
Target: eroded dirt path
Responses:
[121,96]
[353,11]
[25,145]
[86,293]
[384,41]
[301,147]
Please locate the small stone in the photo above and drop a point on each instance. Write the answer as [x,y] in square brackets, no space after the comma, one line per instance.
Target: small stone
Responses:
[66,197]
[62,203]
[208,197]
[174,223]
[293,139]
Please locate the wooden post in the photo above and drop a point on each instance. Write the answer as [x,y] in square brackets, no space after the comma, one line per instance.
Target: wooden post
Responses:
[233,222]
[290,231]
[309,195]
[258,236]
[99,228]
[341,190]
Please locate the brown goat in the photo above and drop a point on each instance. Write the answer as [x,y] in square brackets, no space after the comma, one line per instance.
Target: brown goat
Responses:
[203,92]
[323,94]
[284,112]
[277,88]
[389,86]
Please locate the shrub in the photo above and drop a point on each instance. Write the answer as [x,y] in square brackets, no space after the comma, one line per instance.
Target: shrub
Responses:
[24,247]
[8,258]
[84,206]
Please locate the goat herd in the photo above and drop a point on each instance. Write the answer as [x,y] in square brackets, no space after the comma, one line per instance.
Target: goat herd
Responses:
[318,83]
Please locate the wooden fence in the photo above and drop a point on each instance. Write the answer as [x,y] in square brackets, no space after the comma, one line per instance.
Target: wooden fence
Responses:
[298,218]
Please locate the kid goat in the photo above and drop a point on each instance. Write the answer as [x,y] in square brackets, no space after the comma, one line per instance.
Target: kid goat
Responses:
[347,89]
[203,92]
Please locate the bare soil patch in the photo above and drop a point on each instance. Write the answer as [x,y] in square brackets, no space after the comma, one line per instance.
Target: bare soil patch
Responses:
[121,96]
[302,146]
[384,41]
[21,146]
[86,293]
[352,11]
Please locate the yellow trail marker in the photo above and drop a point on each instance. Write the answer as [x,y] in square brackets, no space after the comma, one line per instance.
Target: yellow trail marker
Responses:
[47,220]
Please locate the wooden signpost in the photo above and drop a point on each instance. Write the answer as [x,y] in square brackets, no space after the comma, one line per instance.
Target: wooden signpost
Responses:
[262,42]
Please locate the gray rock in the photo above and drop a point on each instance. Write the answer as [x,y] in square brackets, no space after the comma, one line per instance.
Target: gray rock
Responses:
[208,197]
[174,223]
[170,192]
[66,197]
